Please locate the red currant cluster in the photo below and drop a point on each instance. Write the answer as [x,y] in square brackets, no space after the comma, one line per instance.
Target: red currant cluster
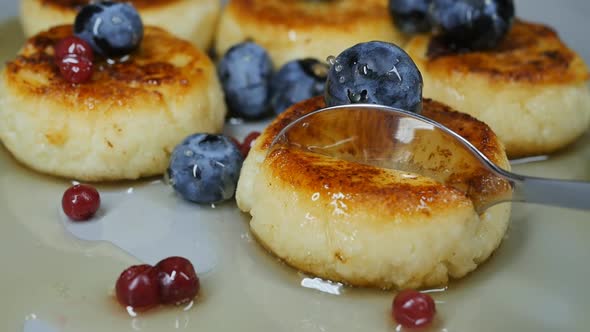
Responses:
[172,281]
[74,58]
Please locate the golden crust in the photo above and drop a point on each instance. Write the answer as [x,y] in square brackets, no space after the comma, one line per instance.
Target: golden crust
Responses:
[364,186]
[123,124]
[370,185]
[475,131]
[531,90]
[364,225]
[296,29]
[530,53]
[145,76]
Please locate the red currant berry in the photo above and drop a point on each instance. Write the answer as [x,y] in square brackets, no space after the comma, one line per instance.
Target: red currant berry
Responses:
[80,202]
[73,45]
[178,280]
[248,142]
[75,68]
[138,287]
[412,309]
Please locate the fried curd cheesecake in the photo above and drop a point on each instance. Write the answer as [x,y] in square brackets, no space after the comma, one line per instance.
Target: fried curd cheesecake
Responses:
[194,20]
[121,124]
[291,30]
[365,225]
[531,89]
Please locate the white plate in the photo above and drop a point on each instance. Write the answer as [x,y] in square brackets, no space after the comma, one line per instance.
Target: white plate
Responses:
[51,281]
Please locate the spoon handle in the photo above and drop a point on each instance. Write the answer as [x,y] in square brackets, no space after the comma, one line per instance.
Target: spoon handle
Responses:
[560,193]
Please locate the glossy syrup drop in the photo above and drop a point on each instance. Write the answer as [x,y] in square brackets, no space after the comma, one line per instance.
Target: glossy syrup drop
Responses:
[324,286]
[331,60]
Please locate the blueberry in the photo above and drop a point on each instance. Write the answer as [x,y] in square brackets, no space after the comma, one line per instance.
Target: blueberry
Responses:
[112,29]
[296,81]
[411,16]
[375,73]
[205,168]
[245,71]
[471,24]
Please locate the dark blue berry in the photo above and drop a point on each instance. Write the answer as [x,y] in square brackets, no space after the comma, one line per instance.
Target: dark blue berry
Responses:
[471,24]
[245,72]
[296,81]
[112,29]
[205,168]
[375,73]
[411,16]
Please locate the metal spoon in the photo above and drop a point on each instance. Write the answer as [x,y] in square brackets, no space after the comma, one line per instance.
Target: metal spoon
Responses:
[405,141]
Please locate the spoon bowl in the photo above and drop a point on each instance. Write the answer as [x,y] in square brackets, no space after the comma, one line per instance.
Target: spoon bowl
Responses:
[408,142]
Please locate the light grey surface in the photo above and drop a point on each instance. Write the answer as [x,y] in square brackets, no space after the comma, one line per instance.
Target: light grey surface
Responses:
[8,8]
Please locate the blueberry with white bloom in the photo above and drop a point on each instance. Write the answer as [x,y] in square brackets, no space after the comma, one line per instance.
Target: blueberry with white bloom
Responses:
[204,168]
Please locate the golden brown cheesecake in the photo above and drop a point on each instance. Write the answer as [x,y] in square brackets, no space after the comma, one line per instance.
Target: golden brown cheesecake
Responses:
[298,29]
[194,20]
[365,225]
[123,123]
[531,89]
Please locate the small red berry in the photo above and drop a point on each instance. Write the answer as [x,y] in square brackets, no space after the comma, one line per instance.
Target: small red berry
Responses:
[138,287]
[248,142]
[412,309]
[73,45]
[80,202]
[75,68]
[178,280]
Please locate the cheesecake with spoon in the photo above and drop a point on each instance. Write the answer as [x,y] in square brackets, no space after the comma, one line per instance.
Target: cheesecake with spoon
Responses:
[365,225]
